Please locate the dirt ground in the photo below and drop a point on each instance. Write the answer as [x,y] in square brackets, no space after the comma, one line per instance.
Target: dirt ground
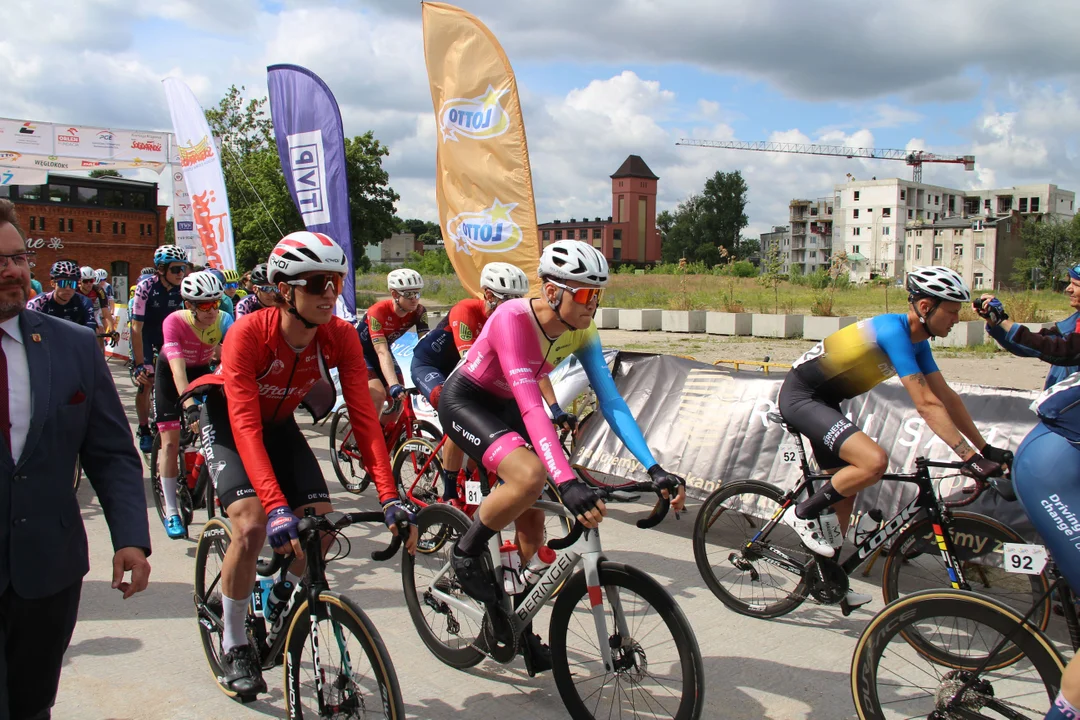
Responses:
[998,370]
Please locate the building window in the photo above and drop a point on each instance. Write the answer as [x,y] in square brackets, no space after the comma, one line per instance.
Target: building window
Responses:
[30,192]
[937,253]
[907,252]
[958,251]
[616,236]
[597,233]
[978,280]
[1023,204]
[71,225]
[137,201]
[97,226]
[123,228]
[903,194]
[855,214]
[854,249]
[87,196]
[33,223]
[570,233]
[89,226]
[910,214]
[856,196]
[813,239]
[856,231]
[813,254]
[112,198]
[937,199]
[61,224]
[980,252]
[558,233]
[547,234]
[59,193]
[869,210]
[115,228]
[622,208]
[886,212]
[918,252]
[1035,204]
[887,230]
[935,217]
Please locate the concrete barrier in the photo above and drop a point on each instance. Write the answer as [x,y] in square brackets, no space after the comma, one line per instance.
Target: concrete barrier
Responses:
[607,318]
[683,321]
[816,327]
[964,334]
[725,323]
[639,319]
[777,326]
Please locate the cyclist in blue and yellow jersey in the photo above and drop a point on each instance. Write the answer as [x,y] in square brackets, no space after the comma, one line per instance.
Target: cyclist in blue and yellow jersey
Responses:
[849,363]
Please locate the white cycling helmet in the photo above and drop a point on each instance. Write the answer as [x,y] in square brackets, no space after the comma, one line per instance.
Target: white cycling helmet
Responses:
[573,260]
[404,280]
[302,252]
[100,274]
[938,282]
[201,287]
[504,279]
[86,273]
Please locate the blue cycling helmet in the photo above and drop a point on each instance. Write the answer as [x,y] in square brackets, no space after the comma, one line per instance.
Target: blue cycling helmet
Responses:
[217,273]
[1074,272]
[169,254]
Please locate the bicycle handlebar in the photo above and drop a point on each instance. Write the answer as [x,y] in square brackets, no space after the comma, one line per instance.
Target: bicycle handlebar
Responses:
[332,522]
[659,512]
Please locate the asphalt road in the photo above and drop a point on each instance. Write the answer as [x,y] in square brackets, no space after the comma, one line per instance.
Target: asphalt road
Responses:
[142,658]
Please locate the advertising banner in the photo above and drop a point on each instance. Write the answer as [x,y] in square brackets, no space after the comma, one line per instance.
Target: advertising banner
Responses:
[38,145]
[184,218]
[201,165]
[483,181]
[18,176]
[710,425]
[311,145]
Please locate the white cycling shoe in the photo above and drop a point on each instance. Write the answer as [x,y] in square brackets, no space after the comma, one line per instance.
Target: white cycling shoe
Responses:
[810,532]
[854,599]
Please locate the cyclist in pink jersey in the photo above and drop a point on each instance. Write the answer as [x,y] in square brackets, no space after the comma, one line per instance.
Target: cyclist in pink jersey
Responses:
[492,402]
[192,337]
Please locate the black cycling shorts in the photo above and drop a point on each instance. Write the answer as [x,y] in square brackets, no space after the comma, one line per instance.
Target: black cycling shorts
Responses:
[297,470]
[167,409]
[818,418]
[486,427]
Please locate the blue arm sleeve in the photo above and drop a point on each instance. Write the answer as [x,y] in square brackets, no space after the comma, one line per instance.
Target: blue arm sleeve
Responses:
[1005,340]
[611,402]
[894,338]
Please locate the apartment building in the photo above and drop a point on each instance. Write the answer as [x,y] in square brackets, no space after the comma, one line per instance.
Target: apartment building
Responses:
[779,238]
[982,250]
[811,233]
[873,217]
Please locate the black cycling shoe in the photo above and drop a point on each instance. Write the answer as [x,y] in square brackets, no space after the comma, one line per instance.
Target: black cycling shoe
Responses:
[536,653]
[475,576]
[241,672]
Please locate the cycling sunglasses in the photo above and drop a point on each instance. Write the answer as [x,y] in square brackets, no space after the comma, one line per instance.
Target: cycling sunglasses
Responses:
[266,288]
[67,284]
[409,294]
[231,286]
[582,296]
[317,284]
[208,305]
[178,269]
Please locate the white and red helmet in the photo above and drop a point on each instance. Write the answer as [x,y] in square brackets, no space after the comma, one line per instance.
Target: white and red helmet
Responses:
[302,252]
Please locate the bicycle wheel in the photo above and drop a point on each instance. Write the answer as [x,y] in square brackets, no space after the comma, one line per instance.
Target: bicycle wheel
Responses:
[658,669]
[890,680]
[740,577]
[448,635]
[914,563]
[419,482]
[345,670]
[345,455]
[209,608]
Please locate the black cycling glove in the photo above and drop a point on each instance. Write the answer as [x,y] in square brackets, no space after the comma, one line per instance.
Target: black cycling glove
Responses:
[993,454]
[665,480]
[980,468]
[578,496]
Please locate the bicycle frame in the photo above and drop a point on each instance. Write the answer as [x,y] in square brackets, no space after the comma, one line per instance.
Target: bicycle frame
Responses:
[925,500]
[586,549]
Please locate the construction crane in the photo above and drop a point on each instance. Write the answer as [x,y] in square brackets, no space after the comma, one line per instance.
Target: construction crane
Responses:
[914,158]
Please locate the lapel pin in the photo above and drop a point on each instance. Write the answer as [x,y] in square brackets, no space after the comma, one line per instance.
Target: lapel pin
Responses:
[35,337]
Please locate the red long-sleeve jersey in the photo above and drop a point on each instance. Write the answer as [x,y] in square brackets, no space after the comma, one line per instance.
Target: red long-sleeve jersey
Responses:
[265,379]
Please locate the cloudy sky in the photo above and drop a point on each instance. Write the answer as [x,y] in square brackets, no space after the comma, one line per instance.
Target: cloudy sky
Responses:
[601,80]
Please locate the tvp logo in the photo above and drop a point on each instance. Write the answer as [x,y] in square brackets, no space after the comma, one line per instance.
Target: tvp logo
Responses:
[306,162]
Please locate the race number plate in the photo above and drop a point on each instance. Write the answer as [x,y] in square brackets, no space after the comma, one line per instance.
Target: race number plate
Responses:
[1026,559]
[473,493]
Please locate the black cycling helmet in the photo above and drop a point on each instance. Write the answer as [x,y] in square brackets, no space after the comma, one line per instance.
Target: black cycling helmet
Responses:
[64,270]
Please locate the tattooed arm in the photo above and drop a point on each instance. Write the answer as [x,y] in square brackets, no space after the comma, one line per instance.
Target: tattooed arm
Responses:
[957,412]
[937,414]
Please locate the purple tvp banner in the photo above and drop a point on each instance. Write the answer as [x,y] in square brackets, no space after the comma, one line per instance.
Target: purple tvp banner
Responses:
[311,145]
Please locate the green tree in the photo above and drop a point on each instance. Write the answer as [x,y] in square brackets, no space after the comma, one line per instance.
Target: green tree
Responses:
[1051,246]
[706,222]
[724,208]
[771,265]
[686,235]
[747,247]
[107,172]
[262,208]
[170,232]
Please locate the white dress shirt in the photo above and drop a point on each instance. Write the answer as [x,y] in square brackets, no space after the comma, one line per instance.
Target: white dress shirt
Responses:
[18,377]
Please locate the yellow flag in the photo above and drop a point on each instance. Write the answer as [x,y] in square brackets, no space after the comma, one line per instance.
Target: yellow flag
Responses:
[483,180]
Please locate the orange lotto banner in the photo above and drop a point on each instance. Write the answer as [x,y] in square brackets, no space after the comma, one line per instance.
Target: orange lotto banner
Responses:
[483,179]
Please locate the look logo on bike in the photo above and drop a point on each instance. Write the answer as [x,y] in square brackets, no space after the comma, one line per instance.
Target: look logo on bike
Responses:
[492,402]
[265,473]
[850,362]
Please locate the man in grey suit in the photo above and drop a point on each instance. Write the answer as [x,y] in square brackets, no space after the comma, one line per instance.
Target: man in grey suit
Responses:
[57,402]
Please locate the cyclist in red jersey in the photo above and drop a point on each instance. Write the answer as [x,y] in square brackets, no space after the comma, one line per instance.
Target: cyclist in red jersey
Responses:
[265,473]
[382,324]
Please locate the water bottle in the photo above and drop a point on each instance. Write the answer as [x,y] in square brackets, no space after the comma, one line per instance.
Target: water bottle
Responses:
[869,523]
[536,568]
[196,464]
[278,598]
[830,528]
[511,563]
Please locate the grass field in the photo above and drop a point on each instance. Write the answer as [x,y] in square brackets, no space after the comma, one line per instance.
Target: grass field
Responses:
[711,292]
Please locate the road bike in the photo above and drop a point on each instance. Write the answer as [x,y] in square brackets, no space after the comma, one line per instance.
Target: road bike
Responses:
[336,664]
[345,454]
[194,488]
[620,644]
[756,565]
[987,659]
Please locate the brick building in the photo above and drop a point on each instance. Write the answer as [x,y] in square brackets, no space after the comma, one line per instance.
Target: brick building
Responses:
[629,235]
[110,223]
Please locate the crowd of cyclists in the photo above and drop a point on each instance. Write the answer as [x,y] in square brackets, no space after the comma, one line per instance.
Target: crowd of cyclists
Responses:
[231,358]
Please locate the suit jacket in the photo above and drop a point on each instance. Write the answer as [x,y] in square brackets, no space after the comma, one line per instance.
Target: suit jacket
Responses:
[76,412]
